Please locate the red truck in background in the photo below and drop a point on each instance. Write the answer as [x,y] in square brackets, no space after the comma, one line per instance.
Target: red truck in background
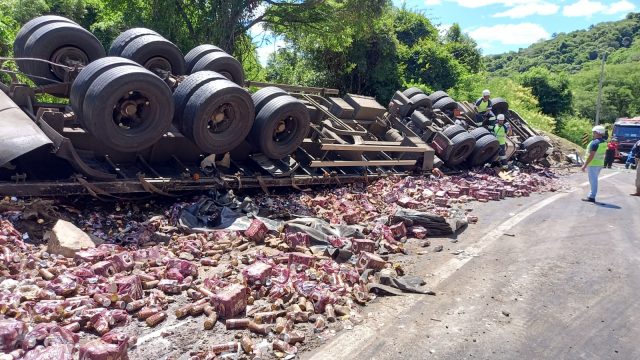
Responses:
[627,132]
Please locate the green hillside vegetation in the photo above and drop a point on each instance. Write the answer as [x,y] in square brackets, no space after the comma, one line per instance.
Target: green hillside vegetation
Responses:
[568,52]
[563,73]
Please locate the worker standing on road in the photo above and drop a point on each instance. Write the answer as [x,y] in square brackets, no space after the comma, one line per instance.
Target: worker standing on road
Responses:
[636,155]
[610,155]
[595,160]
[501,131]
[484,105]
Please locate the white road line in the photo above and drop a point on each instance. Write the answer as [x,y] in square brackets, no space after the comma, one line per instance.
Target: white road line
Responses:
[349,344]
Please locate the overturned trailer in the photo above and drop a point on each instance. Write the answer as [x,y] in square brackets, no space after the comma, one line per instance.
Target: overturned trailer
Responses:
[147,119]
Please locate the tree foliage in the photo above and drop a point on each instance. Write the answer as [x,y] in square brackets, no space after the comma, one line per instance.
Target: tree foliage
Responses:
[378,55]
[620,92]
[551,90]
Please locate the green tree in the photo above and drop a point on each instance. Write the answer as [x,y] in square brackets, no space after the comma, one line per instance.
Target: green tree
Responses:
[8,29]
[551,90]
[429,63]
[463,48]
[411,27]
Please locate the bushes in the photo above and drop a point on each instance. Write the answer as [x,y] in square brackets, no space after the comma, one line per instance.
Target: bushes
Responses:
[574,128]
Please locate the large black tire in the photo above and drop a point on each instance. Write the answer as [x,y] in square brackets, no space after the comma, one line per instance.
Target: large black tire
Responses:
[155,52]
[218,116]
[61,43]
[261,97]
[86,77]
[31,26]
[479,133]
[197,53]
[445,103]
[187,88]
[119,43]
[484,151]
[453,130]
[419,101]
[288,113]
[410,92]
[437,95]
[222,63]
[121,89]
[499,106]
[535,147]
[463,145]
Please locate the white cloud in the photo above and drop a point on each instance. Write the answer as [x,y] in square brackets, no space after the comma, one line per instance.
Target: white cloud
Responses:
[583,8]
[432,2]
[623,6]
[510,34]
[535,8]
[482,3]
[588,8]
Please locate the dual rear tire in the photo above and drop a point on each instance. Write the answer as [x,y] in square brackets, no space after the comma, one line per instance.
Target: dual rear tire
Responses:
[123,105]
[58,41]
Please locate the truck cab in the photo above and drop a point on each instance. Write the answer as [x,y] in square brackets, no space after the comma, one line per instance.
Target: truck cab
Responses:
[627,131]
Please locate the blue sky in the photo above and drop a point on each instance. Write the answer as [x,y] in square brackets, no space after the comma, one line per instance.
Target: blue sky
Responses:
[503,25]
[498,26]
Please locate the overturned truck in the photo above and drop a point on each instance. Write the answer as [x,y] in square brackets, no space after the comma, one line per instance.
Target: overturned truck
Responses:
[144,118]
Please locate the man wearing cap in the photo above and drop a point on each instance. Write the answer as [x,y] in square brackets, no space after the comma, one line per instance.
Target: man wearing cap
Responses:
[483,104]
[595,160]
[501,131]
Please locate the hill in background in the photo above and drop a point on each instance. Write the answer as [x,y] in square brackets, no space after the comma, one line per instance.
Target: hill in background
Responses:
[563,74]
[571,52]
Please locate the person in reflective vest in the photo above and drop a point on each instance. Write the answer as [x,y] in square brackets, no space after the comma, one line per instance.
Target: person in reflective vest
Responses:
[594,162]
[501,130]
[636,158]
[483,105]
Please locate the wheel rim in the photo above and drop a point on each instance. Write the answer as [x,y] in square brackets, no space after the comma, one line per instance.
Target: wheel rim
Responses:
[158,63]
[221,119]
[69,56]
[131,114]
[285,130]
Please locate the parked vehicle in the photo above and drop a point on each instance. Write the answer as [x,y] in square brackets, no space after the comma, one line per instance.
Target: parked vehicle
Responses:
[627,132]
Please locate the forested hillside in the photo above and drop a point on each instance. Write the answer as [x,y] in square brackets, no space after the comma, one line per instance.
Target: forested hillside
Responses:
[569,52]
[563,73]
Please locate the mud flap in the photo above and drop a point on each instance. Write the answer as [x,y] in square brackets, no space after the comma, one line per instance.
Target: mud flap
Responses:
[18,133]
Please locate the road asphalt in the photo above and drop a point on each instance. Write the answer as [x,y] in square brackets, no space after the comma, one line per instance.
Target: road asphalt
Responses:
[543,277]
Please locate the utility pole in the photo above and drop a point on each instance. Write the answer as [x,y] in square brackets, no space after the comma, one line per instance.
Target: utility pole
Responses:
[599,103]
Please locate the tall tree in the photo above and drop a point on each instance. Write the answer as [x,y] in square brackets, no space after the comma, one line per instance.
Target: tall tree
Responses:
[551,90]
[463,48]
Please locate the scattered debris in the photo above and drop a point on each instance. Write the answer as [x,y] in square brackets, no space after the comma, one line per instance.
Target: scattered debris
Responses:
[275,270]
